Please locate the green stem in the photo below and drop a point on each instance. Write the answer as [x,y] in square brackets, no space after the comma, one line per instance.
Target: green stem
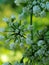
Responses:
[31,23]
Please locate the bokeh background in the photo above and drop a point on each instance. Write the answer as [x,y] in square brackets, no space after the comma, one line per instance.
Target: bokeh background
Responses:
[7,8]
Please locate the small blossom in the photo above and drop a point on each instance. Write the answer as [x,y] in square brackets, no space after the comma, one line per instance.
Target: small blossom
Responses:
[17,41]
[12,46]
[10,23]
[5,19]
[34,2]
[13,17]
[43,13]
[21,33]
[25,10]
[42,5]
[7,41]
[21,16]
[2,29]
[40,52]
[7,63]
[30,27]
[36,9]
[47,5]
[16,31]
[21,44]
[18,2]
[1,37]
[29,41]
[40,42]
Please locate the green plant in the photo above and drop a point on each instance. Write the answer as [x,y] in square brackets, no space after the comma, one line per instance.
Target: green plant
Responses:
[23,33]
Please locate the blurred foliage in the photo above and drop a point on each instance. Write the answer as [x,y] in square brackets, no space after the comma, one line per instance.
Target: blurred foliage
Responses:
[7,8]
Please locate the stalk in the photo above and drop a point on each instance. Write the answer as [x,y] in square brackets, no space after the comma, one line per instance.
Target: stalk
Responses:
[31,22]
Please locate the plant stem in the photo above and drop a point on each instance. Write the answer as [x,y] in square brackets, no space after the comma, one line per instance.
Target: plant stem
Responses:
[31,23]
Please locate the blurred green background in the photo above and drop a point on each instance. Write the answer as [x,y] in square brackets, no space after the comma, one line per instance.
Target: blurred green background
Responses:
[7,8]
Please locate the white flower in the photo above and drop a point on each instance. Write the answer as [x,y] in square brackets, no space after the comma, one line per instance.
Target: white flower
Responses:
[47,5]
[16,31]
[17,41]
[42,5]
[10,23]
[36,9]
[21,16]
[1,37]
[5,19]
[21,27]
[21,44]
[29,41]
[13,16]
[12,46]
[30,27]
[40,42]
[21,33]
[40,52]
[25,9]
[2,29]
[23,40]
[7,63]
[7,41]
[18,2]
[34,2]
[43,13]
[40,32]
